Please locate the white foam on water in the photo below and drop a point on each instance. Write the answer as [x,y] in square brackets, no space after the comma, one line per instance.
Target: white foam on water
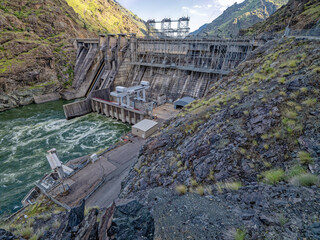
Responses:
[25,141]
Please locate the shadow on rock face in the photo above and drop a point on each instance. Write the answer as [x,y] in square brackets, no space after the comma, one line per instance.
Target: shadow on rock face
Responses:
[132,221]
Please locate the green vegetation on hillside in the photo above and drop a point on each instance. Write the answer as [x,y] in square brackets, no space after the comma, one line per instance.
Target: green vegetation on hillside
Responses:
[305,15]
[107,16]
[240,16]
[36,39]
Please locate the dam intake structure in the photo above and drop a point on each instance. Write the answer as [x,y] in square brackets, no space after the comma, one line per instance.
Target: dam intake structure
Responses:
[173,67]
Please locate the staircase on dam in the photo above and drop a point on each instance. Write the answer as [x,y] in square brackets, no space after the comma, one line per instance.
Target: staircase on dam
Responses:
[174,67]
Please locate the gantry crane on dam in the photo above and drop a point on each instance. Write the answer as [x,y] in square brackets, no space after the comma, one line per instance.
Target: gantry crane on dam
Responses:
[167,28]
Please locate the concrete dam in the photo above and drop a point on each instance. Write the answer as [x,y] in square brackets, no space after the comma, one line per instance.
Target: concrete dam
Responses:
[173,67]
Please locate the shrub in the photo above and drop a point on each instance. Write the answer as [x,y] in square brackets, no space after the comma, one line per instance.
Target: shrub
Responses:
[200,190]
[179,164]
[45,216]
[242,151]
[24,232]
[282,80]
[180,169]
[245,89]
[316,70]
[228,185]
[305,180]
[194,183]
[233,185]
[273,176]
[282,93]
[294,95]
[41,232]
[267,164]
[291,114]
[296,170]
[269,70]
[310,102]
[288,122]
[87,210]
[137,170]
[298,108]
[304,157]
[291,103]
[240,234]
[211,175]
[283,220]
[181,189]
[259,76]
[34,237]
[277,134]
[292,64]
[304,90]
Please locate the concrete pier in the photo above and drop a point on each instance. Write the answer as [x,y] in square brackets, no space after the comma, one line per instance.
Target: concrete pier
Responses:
[77,109]
[113,110]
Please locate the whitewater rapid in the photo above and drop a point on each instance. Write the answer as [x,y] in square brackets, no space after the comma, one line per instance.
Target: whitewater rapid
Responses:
[27,133]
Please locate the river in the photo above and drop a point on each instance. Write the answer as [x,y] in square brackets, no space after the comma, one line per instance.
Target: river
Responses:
[28,132]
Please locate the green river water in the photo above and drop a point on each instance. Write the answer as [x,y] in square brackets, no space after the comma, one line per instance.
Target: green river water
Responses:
[27,133]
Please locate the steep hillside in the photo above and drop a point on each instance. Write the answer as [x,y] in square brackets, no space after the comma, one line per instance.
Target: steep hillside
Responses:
[108,16]
[258,126]
[37,55]
[301,15]
[240,16]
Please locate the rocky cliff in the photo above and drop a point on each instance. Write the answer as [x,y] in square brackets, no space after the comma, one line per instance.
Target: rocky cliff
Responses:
[124,220]
[37,54]
[297,14]
[240,16]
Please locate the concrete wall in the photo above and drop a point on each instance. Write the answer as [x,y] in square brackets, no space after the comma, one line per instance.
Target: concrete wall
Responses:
[77,109]
[101,94]
[173,84]
[178,68]
[47,98]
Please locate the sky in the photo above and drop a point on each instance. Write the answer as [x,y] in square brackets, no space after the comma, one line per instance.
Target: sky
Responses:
[199,11]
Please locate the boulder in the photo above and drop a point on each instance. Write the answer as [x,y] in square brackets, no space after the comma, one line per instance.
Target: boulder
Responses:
[131,221]
[5,235]
[76,216]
